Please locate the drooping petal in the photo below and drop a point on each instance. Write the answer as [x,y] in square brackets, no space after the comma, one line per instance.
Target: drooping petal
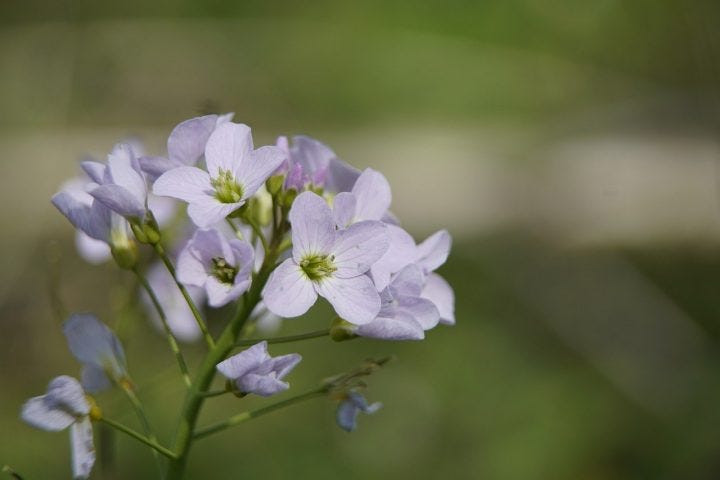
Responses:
[45,415]
[74,209]
[241,363]
[65,392]
[283,364]
[346,415]
[288,292]
[438,291]
[262,385]
[156,166]
[92,342]
[358,247]
[401,326]
[82,448]
[186,143]
[434,250]
[185,183]
[257,167]
[354,299]
[120,200]
[344,209]
[372,192]
[209,211]
[400,253]
[313,227]
[228,146]
[94,379]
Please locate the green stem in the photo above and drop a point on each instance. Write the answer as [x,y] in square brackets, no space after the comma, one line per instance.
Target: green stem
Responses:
[214,393]
[142,417]
[196,313]
[258,231]
[140,437]
[172,341]
[286,339]
[250,414]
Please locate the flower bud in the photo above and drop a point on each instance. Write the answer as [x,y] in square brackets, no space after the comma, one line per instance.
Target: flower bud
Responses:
[341,330]
[274,184]
[125,253]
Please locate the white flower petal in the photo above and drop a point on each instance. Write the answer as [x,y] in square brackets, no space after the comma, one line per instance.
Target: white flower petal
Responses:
[289,292]
[354,299]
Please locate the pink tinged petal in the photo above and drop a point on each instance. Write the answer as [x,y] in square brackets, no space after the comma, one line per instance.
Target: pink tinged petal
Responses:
[185,183]
[257,167]
[66,393]
[119,200]
[93,343]
[81,448]
[438,291]
[354,299]
[400,253]
[344,206]
[358,247]
[422,310]
[206,212]
[402,326]
[372,192]
[289,292]
[156,166]
[313,227]
[125,172]
[249,359]
[228,146]
[94,170]
[91,250]
[45,415]
[186,143]
[434,250]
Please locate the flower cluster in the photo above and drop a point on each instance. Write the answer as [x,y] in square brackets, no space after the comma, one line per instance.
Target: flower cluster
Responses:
[270,229]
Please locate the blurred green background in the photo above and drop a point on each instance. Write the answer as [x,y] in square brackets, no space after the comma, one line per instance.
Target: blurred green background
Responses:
[570,147]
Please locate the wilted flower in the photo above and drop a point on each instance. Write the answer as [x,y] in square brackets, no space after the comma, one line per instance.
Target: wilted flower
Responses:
[350,406]
[327,262]
[254,371]
[98,349]
[223,267]
[235,172]
[65,405]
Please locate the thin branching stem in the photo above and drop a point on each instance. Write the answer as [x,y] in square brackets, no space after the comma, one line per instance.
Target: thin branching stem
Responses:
[139,437]
[285,339]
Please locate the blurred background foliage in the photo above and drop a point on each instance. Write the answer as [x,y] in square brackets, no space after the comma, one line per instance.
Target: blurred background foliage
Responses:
[569,146]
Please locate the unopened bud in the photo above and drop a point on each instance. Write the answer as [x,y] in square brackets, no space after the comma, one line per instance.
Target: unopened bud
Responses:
[274,184]
[341,330]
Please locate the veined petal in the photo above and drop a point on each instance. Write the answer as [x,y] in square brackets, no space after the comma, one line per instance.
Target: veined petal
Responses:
[185,183]
[209,211]
[438,291]
[239,364]
[78,212]
[434,250]
[82,448]
[344,206]
[125,172]
[156,166]
[65,392]
[94,170]
[313,227]
[372,192]
[257,167]
[228,146]
[120,200]
[45,415]
[421,309]
[186,143]
[400,253]
[354,299]
[288,292]
[262,385]
[358,247]
[401,326]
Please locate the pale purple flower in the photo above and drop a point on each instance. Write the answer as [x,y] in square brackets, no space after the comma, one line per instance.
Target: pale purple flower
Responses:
[312,163]
[185,145]
[222,267]
[404,314]
[431,254]
[369,199]
[180,318]
[65,405]
[401,252]
[327,262]
[235,172]
[98,349]
[254,371]
[348,409]
[121,184]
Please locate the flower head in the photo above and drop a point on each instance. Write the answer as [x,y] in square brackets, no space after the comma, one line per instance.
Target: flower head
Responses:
[350,406]
[327,262]
[65,405]
[222,267]
[98,349]
[254,371]
[235,171]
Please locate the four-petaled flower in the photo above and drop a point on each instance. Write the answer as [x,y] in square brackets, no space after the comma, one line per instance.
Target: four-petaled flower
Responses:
[235,172]
[350,406]
[65,405]
[327,262]
[254,371]
[223,267]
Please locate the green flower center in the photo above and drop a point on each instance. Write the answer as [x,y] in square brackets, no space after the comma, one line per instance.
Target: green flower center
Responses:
[223,271]
[227,190]
[317,267]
